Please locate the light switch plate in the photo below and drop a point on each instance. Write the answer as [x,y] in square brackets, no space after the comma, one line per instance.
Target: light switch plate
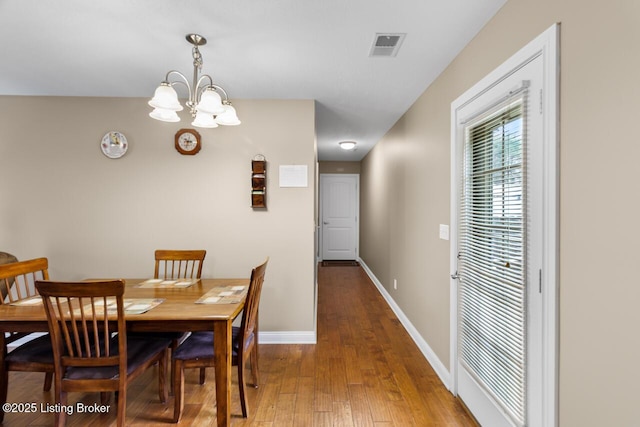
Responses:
[444,232]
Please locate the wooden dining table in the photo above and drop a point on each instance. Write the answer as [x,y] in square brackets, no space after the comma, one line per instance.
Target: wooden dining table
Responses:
[178,311]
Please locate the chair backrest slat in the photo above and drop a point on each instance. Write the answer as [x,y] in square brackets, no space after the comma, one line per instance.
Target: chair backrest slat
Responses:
[17,280]
[179,264]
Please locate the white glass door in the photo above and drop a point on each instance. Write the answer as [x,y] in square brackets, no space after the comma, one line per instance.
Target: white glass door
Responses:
[499,244]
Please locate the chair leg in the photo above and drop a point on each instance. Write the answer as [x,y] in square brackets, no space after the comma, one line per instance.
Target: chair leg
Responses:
[122,406]
[241,385]
[105,396]
[172,363]
[174,346]
[162,376]
[178,390]
[61,416]
[48,379]
[203,375]
[254,366]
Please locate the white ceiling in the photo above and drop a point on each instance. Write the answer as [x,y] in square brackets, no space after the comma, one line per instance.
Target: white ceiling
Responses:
[257,49]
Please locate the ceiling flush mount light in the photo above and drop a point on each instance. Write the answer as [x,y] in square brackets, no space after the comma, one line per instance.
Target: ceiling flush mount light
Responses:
[347,145]
[208,108]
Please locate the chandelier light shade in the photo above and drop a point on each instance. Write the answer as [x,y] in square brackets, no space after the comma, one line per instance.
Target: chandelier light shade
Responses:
[166,98]
[208,102]
[164,115]
[228,117]
[204,120]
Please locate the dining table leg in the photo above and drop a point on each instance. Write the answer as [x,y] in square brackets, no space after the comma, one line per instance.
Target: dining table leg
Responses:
[222,355]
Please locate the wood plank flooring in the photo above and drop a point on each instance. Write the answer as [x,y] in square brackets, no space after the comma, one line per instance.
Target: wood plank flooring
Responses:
[364,371]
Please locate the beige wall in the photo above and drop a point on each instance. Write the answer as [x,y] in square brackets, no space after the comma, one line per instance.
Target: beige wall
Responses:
[339,167]
[97,217]
[405,195]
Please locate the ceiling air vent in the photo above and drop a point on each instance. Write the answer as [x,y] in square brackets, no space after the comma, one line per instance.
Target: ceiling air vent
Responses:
[386,44]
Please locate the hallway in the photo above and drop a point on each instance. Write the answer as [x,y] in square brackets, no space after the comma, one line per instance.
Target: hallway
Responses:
[374,367]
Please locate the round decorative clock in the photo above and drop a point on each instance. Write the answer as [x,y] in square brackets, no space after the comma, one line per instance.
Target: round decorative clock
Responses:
[188,141]
[114,144]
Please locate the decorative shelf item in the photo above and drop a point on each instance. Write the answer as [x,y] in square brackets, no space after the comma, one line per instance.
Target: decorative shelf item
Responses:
[259,182]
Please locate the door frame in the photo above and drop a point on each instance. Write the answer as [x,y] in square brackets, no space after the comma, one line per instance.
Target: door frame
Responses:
[320,218]
[547,45]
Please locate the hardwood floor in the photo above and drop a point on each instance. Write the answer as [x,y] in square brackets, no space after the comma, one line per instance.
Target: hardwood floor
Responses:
[364,371]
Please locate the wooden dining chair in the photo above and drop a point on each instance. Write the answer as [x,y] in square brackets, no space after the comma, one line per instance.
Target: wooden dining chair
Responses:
[179,264]
[91,349]
[197,350]
[17,284]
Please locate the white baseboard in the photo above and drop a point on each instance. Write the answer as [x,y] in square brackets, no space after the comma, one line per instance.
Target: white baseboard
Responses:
[435,362]
[287,337]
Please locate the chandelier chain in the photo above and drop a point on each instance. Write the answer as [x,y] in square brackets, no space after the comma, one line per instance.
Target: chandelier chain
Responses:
[197,58]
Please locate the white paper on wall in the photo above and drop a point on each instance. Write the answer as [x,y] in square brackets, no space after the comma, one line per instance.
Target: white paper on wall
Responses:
[293,176]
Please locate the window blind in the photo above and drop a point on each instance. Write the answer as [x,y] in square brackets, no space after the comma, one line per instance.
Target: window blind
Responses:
[492,336]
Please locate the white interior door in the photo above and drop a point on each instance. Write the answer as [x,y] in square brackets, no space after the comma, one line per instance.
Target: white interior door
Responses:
[339,216]
[502,251]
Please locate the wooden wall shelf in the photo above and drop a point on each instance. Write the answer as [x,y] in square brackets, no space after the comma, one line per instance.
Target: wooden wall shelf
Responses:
[259,183]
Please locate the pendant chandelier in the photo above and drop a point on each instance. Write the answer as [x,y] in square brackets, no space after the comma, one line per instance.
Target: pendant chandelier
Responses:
[208,102]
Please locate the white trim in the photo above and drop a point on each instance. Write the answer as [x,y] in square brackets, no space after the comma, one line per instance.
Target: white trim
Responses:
[547,45]
[424,347]
[287,337]
[24,340]
[551,213]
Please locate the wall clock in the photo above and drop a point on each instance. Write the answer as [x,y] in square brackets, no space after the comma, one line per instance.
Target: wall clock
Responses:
[114,144]
[188,141]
